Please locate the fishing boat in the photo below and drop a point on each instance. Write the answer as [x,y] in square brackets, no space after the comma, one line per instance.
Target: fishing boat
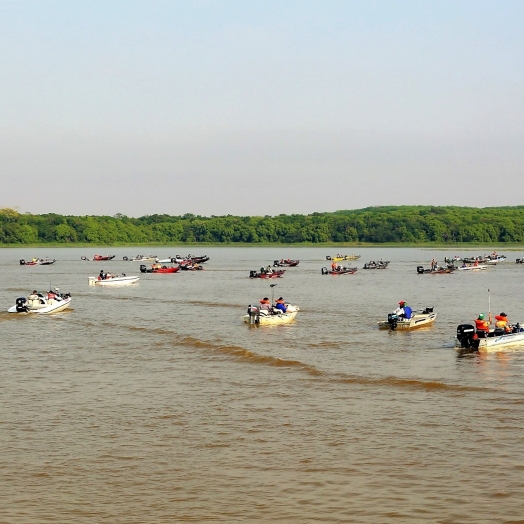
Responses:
[272,317]
[99,258]
[436,271]
[187,265]
[158,268]
[113,280]
[42,304]
[376,265]
[286,263]
[142,258]
[342,258]
[192,258]
[38,262]
[469,340]
[340,271]
[472,267]
[267,274]
[418,319]
[456,258]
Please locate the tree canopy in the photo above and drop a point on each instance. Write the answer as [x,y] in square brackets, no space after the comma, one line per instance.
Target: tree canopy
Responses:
[398,224]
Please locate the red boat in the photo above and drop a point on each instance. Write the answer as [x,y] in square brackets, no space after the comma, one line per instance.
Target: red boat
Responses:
[285,263]
[267,274]
[99,258]
[341,271]
[157,268]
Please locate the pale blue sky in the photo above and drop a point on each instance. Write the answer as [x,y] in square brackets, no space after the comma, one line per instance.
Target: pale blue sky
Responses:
[259,107]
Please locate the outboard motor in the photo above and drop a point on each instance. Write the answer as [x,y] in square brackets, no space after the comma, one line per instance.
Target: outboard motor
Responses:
[21,305]
[428,310]
[253,274]
[392,321]
[328,257]
[467,337]
[324,271]
[276,263]
[254,314]
[518,261]
[420,269]
[22,262]
[143,268]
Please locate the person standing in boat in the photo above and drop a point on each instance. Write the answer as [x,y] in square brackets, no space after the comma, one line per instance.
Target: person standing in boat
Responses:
[434,264]
[482,325]
[102,275]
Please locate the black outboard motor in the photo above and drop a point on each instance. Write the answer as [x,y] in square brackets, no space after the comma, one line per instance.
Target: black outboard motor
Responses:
[420,269]
[324,271]
[428,310]
[143,268]
[21,305]
[518,261]
[22,262]
[253,274]
[467,337]
[276,263]
[392,321]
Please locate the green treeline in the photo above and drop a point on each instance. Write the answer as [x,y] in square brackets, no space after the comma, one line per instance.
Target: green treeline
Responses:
[399,224]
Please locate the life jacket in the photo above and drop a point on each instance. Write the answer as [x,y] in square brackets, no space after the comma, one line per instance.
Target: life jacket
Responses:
[481,325]
[407,312]
[502,322]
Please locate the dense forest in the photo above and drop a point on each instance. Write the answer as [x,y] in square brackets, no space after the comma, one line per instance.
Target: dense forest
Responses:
[400,224]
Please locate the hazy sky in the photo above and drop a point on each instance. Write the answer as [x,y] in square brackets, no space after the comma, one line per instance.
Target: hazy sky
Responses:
[259,107]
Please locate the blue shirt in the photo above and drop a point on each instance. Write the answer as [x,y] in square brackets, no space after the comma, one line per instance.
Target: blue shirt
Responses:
[407,312]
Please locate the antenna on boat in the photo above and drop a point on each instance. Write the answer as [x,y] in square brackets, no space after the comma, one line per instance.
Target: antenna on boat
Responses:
[489,305]
[272,293]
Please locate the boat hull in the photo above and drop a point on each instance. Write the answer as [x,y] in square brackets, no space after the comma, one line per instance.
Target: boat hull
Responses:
[493,344]
[472,268]
[273,320]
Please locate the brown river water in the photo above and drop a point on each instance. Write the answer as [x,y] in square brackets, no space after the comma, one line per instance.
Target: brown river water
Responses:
[154,403]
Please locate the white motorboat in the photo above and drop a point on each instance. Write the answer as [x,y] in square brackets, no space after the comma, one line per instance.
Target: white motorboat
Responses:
[424,317]
[113,280]
[473,267]
[52,302]
[468,340]
[272,317]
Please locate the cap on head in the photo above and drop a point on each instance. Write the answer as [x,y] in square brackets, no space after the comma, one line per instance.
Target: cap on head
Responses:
[280,298]
[503,315]
[402,302]
[481,316]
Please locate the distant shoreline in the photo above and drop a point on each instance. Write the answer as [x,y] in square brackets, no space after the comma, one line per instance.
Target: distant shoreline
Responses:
[328,245]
